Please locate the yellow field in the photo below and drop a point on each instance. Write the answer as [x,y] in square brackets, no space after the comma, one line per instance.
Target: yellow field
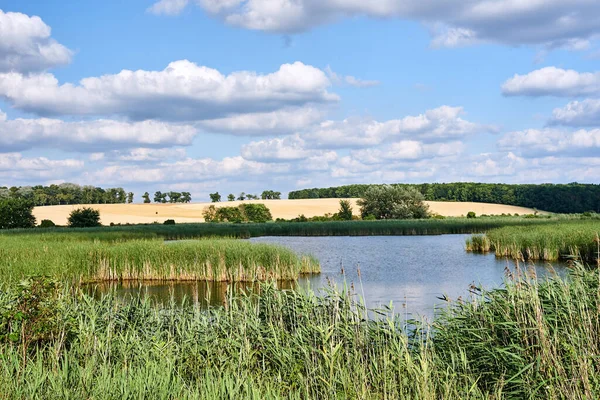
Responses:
[148,213]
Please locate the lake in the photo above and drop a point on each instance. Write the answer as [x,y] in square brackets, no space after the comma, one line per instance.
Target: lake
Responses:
[410,271]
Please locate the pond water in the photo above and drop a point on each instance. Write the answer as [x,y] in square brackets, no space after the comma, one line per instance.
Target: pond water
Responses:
[413,272]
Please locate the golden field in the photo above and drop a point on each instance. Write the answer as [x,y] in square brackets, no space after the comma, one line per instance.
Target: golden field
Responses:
[181,213]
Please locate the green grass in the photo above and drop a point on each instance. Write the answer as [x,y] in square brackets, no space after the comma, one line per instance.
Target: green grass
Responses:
[557,241]
[78,258]
[527,340]
[333,228]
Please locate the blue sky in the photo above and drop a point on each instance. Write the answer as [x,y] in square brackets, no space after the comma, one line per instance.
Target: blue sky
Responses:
[247,95]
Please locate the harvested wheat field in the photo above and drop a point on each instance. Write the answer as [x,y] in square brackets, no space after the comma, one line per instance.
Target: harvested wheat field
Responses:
[181,213]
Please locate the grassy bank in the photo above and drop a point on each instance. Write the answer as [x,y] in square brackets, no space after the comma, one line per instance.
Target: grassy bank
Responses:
[77,257]
[560,240]
[333,228]
[527,340]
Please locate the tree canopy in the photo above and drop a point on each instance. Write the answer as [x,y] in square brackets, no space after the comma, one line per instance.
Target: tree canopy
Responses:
[393,202]
[559,198]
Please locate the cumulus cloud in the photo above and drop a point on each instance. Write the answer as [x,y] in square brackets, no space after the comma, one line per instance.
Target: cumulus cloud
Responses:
[540,142]
[277,150]
[168,7]
[349,79]
[439,124]
[280,122]
[183,91]
[13,166]
[553,23]
[26,44]
[408,150]
[552,81]
[90,136]
[578,114]
[187,170]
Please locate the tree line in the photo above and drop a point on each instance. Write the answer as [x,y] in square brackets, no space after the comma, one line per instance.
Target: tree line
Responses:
[559,198]
[265,195]
[66,194]
[168,197]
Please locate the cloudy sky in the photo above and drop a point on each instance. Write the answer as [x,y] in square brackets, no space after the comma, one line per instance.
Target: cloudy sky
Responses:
[247,95]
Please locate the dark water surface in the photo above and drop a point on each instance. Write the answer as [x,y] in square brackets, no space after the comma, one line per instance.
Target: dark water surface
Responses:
[410,271]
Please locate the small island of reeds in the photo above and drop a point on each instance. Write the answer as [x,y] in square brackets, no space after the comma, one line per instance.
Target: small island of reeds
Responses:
[561,240]
[88,258]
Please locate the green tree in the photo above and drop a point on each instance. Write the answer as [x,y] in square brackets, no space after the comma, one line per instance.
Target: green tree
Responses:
[174,197]
[345,212]
[231,197]
[85,217]
[186,197]
[242,196]
[16,213]
[130,197]
[255,213]
[215,197]
[158,196]
[146,197]
[390,202]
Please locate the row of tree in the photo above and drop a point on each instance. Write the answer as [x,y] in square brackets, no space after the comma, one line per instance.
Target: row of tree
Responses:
[559,198]
[266,195]
[66,193]
[168,197]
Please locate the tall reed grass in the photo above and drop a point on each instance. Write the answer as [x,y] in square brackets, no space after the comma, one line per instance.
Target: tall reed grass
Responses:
[331,228]
[527,340]
[93,260]
[560,240]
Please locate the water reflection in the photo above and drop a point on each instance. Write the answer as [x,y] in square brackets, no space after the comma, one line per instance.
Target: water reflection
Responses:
[413,272]
[199,294]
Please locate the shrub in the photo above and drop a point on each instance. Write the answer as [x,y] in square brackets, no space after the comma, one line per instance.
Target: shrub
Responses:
[345,212]
[16,213]
[471,214]
[256,213]
[85,217]
[169,222]
[392,202]
[46,223]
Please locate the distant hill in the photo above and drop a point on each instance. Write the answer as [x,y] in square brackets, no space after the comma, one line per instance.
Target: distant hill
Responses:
[557,198]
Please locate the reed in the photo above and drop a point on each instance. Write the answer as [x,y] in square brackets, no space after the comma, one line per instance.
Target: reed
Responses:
[560,240]
[81,260]
[331,228]
[526,340]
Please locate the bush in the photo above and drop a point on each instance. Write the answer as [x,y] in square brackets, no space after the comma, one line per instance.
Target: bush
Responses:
[85,217]
[169,222]
[16,213]
[46,223]
[241,213]
[345,212]
[471,214]
[256,212]
[392,202]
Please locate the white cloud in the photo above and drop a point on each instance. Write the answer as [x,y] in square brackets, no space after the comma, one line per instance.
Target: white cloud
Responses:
[168,7]
[183,91]
[552,81]
[187,170]
[26,45]
[144,154]
[13,166]
[90,136]
[536,142]
[439,124]
[349,79]
[553,23]
[578,114]
[277,150]
[279,122]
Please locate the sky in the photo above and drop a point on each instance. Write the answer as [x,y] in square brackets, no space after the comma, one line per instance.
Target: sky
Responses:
[248,95]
